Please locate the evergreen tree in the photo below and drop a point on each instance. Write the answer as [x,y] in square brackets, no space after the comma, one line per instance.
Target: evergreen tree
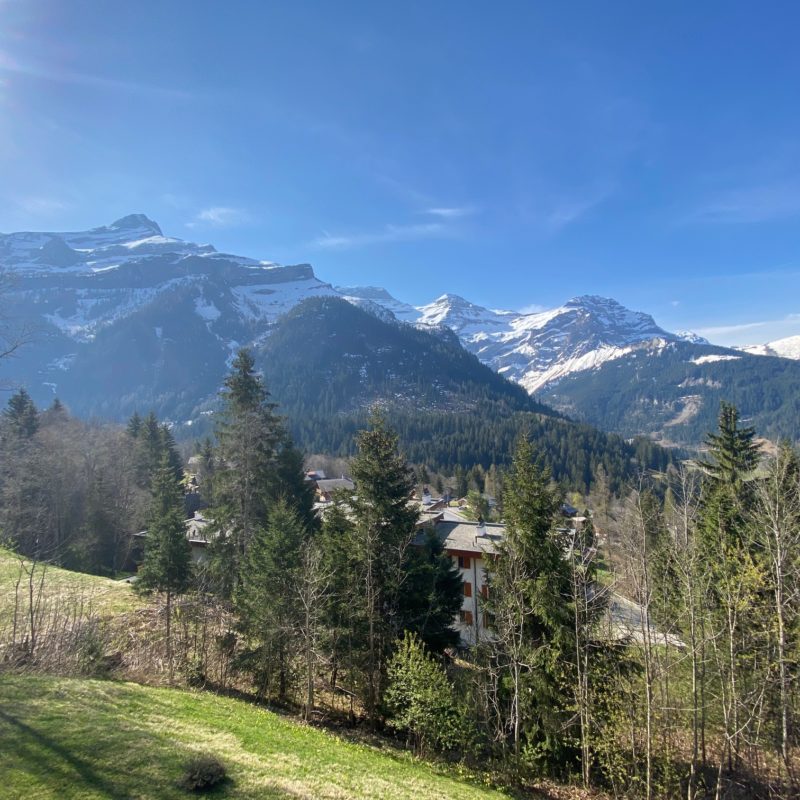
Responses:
[733,452]
[248,432]
[528,587]
[289,482]
[267,598]
[170,449]
[134,425]
[432,594]
[166,567]
[422,701]
[208,468]
[384,523]
[737,605]
[21,416]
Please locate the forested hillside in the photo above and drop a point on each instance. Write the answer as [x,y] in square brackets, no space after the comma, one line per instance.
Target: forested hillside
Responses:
[673,393]
[449,409]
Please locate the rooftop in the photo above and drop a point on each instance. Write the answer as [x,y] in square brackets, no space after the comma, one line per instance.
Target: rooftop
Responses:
[469,537]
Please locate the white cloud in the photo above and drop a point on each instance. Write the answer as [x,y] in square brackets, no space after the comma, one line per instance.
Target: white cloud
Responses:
[390,233]
[219,217]
[571,210]
[749,333]
[725,330]
[451,212]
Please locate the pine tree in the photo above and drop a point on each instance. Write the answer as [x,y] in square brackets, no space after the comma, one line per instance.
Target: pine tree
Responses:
[289,482]
[737,605]
[248,432]
[432,595]
[267,598]
[528,585]
[134,425]
[21,416]
[166,567]
[384,527]
[732,449]
[422,700]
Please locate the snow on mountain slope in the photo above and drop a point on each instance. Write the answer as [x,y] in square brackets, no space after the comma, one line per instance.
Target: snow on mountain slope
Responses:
[125,315]
[691,337]
[85,281]
[371,297]
[539,349]
[100,249]
[88,284]
[784,348]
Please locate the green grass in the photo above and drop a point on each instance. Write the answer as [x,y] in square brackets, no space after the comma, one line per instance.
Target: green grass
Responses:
[71,738]
[90,594]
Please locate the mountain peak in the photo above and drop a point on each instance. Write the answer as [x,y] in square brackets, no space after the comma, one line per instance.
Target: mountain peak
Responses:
[454,300]
[593,301]
[691,337]
[134,222]
[365,292]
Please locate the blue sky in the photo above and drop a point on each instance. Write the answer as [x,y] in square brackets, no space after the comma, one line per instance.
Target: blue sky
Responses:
[514,153]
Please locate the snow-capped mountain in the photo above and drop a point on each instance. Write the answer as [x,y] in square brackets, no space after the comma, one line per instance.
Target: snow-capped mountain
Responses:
[537,349]
[127,318]
[783,348]
[82,282]
[692,337]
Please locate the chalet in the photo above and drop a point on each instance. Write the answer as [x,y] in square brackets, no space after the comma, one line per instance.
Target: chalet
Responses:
[470,545]
[327,487]
[198,532]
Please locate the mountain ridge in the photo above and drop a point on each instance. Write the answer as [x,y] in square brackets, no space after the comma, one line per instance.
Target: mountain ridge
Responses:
[125,292]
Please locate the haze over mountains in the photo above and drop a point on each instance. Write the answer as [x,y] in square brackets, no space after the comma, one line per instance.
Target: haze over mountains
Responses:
[129,318]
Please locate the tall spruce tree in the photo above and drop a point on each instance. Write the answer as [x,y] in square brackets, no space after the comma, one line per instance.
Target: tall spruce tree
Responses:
[384,522]
[289,482]
[529,587]
[733,453]
[736,602]
[432,594]
[21,416]
[267,598]
[166,567]
[248,433]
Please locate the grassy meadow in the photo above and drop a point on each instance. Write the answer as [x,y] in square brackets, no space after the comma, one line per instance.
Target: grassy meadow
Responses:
[74,738]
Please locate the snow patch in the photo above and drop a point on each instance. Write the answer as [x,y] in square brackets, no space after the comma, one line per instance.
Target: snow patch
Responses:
[710,359]
[206,310]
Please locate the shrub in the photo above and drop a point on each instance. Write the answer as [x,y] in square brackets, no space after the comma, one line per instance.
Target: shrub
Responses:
[203,772]
[422,700]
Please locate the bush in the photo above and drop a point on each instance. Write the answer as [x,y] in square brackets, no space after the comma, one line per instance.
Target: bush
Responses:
[422,700]
[203,772]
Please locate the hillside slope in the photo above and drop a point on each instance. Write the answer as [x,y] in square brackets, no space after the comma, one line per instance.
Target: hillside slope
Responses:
[327,362]
[71,739]
[672,392]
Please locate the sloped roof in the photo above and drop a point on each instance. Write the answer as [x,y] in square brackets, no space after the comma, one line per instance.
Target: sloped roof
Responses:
[468,537]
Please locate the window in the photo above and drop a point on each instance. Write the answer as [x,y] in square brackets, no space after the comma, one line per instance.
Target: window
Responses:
[464,562]
[467,589]
[465,617]
[485,591]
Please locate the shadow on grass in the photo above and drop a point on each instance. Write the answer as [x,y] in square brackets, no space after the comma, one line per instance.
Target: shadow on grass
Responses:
[58,769]
[21,746]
